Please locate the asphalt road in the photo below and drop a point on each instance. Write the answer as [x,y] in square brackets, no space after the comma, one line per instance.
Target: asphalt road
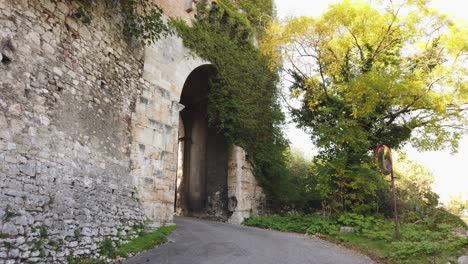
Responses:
[203,242]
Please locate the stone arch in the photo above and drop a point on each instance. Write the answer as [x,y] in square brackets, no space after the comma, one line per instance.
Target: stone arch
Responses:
[154,126]
[154,139]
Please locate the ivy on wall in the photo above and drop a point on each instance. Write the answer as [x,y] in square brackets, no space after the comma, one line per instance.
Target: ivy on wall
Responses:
[142,19]
[243,97]
[259,12]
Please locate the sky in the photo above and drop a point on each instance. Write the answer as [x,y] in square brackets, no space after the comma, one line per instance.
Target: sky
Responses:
[450,170]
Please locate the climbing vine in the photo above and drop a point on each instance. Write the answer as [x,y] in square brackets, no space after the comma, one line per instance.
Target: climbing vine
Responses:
[142,19]
[259,12]
[243,97]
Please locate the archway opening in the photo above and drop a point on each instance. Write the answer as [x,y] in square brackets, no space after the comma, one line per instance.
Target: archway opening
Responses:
[201,187]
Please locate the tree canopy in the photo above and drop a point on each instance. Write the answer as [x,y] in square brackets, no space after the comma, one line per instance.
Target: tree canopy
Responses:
[370,74]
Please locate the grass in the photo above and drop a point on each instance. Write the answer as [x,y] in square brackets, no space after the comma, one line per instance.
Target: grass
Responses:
[84,260]
[430,241]
[2,236]
[144,242]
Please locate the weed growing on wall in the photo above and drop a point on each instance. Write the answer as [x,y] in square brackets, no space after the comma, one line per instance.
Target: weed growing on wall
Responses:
[243,97]
[142,19]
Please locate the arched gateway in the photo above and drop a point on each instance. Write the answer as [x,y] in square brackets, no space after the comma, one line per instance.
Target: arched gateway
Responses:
[171,118]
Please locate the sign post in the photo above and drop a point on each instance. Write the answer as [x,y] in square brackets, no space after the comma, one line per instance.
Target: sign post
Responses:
[385,163]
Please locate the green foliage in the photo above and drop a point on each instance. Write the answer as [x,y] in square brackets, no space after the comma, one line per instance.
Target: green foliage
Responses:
[368,75]
[146,241]
[441,216]
[107,248]
[144,19]
[143,242]
[2,235]
[457,205]
[416,200]
[43,232]
[419,243]
[83,15]
[242,100]
[84,260]
[344,185]
[294,223]
[8,245]
[56,243]
[77,232]
[359,222]
[300,186]
[259,12]
[38,245]
[9,213]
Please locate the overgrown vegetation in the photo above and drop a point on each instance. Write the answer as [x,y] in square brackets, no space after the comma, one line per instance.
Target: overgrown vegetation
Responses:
[84,260]
[242,101]
[9,213]
[259,12]
[458,206]
[370,74]
[428,241]
[112,249]
[144,241]
[142,19]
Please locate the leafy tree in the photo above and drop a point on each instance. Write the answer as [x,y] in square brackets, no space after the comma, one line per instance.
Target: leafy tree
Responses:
[414,183]
[368,75]
[457,205]
[302,194]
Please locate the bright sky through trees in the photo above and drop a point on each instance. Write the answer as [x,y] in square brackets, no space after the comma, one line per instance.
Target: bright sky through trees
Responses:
[451,171]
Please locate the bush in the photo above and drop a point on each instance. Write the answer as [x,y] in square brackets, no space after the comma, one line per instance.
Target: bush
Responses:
[145,241]
[359,222]
[419,243]
[302,195]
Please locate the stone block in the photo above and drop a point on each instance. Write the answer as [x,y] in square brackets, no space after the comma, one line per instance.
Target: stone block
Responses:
[9,229]
[462,260]
[346,229]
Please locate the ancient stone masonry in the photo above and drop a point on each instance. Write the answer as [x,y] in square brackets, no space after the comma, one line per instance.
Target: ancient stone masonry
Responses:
[89,131]
[66,97]
[246,198]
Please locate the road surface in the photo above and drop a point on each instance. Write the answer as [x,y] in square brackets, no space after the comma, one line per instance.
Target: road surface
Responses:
[204,242]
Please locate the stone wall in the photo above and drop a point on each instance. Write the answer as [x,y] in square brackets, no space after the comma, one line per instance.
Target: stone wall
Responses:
[155,123]
[246,198]
[183,9]
[88,130]
[67,96]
